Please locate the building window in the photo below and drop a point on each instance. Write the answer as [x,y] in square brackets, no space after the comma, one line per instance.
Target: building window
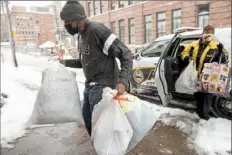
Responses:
[161,24]
[89,9]
[203,15]
[113,27]
[131,31]
[112,5]
[120,4]
[121,30]
[147,21]
[94,7]
[176,19]
[101,6]
[130,2]
[37,22]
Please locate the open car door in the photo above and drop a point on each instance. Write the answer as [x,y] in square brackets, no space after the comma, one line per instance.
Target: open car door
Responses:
[167,69]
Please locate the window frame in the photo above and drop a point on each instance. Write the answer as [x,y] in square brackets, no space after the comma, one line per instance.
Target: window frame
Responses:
[131,41]
[157,23]
[174,18]
[131,2]
[112,5]
[89,8]
[206,14]
[145,30]
[101,6]
[120,4]
[113,27]
[121,35]
[94,7]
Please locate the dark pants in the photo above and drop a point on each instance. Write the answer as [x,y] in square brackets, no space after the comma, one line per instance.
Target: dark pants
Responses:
[203,103]
[92,96]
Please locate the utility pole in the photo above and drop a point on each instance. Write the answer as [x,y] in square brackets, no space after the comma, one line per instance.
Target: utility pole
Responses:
[11,34]
[57,27]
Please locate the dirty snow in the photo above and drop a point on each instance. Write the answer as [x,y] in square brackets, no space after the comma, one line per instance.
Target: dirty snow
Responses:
[211,137]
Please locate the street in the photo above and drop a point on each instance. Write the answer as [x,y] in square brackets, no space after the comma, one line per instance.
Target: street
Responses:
[176,132]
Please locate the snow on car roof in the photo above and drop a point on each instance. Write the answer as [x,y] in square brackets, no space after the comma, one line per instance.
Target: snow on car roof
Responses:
[166,37]
[197,32]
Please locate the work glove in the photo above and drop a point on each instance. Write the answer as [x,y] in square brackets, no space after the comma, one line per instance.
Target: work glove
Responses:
[187,59]
[220,47]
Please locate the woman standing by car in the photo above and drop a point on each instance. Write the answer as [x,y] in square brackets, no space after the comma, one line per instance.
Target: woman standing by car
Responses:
[204,50]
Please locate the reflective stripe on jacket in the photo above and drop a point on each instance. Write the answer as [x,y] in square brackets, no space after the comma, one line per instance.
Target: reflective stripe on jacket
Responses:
[208,54]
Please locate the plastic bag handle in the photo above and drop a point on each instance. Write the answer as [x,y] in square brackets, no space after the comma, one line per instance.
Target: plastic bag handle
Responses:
[118,97]
[121,98]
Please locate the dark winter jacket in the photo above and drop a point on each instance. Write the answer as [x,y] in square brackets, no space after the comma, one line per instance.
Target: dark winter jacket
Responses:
[98,49]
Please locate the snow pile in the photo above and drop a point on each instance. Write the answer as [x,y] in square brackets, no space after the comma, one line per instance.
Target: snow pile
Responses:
[214,136]
[19,104]
[211,137]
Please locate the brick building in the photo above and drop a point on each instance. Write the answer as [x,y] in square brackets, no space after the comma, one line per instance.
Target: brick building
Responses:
[32,26]
[4,29]
[139,22]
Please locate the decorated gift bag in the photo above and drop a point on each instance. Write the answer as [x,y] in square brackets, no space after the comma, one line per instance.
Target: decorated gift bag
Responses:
[214,79]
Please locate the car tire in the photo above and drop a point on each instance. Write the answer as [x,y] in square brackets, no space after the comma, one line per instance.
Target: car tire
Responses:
[220,107]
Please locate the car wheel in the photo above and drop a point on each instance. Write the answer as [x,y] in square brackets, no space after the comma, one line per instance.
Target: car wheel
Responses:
[222,107]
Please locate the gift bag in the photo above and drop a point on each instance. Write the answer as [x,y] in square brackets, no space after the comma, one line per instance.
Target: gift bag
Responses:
[187,81]
[58,98]
[111,133]
[214,79]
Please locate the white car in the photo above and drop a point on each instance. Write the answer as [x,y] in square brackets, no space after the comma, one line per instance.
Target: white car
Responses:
[170,66]
[145,61]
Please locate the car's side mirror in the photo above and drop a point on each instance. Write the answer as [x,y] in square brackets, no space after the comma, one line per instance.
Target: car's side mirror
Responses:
[137,57]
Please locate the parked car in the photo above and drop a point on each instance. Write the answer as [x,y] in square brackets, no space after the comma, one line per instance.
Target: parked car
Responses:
[169,67]
[145,61]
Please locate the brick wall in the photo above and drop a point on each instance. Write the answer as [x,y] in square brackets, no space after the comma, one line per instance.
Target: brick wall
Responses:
[219,15]
[27,29]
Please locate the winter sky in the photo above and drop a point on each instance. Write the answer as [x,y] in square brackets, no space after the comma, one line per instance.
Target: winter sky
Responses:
[32,3]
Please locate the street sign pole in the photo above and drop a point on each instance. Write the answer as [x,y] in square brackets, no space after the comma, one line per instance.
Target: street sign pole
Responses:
[11,34]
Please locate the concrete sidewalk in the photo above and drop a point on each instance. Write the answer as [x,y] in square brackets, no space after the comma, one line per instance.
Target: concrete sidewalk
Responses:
[69,139]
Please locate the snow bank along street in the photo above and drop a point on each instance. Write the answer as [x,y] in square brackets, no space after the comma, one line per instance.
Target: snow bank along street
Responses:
[211,137]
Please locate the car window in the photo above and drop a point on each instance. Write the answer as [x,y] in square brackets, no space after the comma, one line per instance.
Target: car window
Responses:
[155,49]
[184,43]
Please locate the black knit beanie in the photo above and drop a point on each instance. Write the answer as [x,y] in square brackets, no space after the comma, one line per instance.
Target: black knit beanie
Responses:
[72,11]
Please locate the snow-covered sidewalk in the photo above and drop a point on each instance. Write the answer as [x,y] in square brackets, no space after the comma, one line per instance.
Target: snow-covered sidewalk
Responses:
[211,137]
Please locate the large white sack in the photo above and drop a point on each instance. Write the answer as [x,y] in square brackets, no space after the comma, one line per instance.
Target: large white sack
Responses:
[58,98]
[187,81]
[112,132]
[141,116]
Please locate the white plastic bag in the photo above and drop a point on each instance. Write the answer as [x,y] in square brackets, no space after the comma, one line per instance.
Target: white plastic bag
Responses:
[187,81]
[112,132]
[58,98]
[141,116]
